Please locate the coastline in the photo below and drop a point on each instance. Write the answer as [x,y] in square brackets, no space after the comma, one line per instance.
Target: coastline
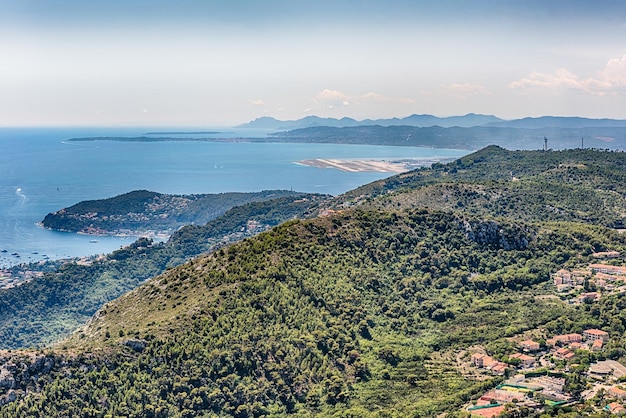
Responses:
[378,166]
[357,166]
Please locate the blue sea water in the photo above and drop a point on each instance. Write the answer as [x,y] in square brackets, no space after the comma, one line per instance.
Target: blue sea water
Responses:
[41,172]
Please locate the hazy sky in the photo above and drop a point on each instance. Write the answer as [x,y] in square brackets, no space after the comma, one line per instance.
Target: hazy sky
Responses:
[225,62]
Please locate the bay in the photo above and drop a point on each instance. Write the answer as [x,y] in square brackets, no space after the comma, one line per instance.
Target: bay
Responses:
[42,172]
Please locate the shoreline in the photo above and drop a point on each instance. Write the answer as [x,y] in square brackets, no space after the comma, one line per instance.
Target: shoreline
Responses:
[159,236]
[357,166]
[395,166]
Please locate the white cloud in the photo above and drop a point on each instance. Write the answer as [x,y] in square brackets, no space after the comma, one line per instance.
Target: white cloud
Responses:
[459,91]
[467,89]
[256,102]
[375,97]
[560,79]
[615,72]
[610,80]
[334,98]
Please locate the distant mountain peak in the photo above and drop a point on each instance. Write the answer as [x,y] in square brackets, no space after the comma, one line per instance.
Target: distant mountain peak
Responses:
[468,120]
[421,120]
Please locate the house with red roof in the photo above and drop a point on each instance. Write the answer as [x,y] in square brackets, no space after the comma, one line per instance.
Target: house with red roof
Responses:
[616,408]
[617,393]
[595,334]
[529,345]
[564,354]
[525,360]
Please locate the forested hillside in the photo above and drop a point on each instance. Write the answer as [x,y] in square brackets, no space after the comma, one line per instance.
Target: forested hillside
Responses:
[345,314]
[39,312]
[369,310]
[572,185]
[139,211]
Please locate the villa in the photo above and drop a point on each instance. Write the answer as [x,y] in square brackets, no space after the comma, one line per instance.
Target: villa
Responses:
[595,334]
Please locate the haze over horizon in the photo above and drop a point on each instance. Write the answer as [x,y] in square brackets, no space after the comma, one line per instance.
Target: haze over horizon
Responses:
[219,63]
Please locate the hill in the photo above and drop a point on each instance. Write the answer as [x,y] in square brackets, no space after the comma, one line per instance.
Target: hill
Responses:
[370,310]
[141,211]
[560,122]
[470,138]
[42,310]
[570,185]
[352,314]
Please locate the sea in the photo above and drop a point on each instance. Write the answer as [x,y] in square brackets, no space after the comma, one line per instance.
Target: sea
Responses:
[42,172]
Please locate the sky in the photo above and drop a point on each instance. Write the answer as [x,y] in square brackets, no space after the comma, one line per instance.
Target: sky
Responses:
[211,63]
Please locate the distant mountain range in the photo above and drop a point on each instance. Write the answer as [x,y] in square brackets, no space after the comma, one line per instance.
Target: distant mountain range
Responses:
[470,132]
[465,121]
[468,120]
[560,122]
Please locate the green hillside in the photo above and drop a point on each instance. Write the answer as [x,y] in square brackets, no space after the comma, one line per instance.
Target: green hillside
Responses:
[139,211]
[346,314]
[40,311]
[370,311]
[527,135]
[572,185]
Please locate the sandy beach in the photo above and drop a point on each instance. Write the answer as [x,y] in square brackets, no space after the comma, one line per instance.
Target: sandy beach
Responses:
[355,166]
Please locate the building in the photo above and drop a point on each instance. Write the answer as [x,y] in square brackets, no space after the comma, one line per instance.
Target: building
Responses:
[608,269]
[576,346]
[564,354]
[595,334]
[607,277]
[600,369]
[570,278]
[615,408]
[525,360]
[607,367]
[617,393]
[529,345]
[589,297]
[565,339]
[478,360]
[499,368]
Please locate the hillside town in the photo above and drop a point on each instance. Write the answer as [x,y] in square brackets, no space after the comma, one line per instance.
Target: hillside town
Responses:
[565,370]
[551,372]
